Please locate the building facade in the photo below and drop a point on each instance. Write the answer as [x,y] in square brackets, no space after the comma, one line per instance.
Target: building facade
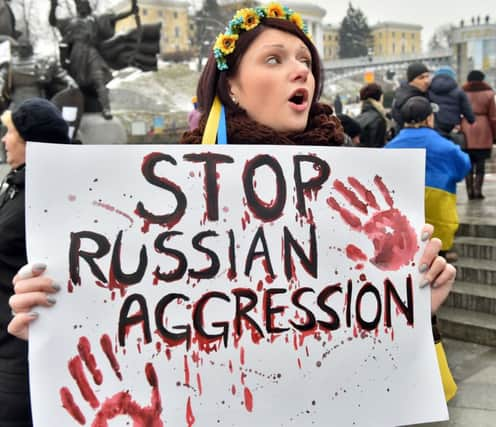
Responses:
[396,38]
[313,16]
[330,42]
[474,48]
[173,15]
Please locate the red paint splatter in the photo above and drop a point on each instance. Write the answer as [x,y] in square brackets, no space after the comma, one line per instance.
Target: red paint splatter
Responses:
[190,418]
[76,370]
[199,383]
[366,194]
[352,220]
[393,237]
[355,254]
[71,406]
[384,191]
[111,208]
[268,277]
[84,349]
[122,404]
[260,286]
[350,196]
[186,370]
[248,399]
[106,345]
[245,220]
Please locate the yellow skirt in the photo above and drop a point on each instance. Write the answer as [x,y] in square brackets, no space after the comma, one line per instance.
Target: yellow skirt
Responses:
[449,384]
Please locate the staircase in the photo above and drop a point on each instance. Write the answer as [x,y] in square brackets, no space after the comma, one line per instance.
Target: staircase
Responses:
[469,314]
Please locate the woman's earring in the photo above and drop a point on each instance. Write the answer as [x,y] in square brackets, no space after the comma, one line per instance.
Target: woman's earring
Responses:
[234,100]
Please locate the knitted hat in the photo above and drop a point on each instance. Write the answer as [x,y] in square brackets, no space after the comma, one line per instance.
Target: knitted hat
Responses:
[448,71]
[372,90]
[37,119]
[414,70]
[417,109]
[476,76]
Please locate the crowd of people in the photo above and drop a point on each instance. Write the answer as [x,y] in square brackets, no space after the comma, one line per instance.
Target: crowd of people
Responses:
[268,80]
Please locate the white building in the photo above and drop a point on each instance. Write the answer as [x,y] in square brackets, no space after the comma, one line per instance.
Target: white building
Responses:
[313,16]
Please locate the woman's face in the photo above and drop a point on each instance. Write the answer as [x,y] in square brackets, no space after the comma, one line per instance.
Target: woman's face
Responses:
[274,81]
[15,147]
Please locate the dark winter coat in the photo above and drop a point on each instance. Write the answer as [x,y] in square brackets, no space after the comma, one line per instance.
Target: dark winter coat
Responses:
[14,392]
[452,102]
[403,94]
[482,133]
[373,124]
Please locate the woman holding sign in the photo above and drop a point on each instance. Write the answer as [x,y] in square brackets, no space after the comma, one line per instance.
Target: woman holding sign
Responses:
[261,85]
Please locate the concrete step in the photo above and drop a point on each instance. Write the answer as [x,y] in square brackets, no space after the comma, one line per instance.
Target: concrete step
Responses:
[475,247]
[473,270]
[467,325]
[476,229]
[472,296]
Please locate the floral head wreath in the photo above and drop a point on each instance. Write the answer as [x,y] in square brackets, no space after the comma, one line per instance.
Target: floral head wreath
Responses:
[247,19]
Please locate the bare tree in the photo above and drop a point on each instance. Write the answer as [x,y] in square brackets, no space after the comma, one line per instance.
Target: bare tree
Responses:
[442,37]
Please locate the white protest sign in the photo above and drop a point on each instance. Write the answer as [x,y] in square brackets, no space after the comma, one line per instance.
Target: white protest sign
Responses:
[230,285]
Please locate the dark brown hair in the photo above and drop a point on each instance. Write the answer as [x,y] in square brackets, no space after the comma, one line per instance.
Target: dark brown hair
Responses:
[372,90]
[214,82]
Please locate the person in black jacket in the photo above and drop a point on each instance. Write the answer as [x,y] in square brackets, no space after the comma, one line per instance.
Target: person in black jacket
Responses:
[452,101]
[372,118]
[35,119]
[419,78]
[338,105]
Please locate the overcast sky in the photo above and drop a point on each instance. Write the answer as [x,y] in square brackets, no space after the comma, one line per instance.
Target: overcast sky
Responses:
[428,13]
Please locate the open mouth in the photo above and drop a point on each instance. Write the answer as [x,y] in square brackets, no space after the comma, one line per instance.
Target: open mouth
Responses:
[299,97]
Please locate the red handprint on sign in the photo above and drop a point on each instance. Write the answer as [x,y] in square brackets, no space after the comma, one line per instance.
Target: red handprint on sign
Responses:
[121,403]
[393,237]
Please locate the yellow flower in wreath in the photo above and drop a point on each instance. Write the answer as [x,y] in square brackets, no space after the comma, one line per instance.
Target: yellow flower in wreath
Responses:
[250,18]
[275,10]
[296,19]
[226,43]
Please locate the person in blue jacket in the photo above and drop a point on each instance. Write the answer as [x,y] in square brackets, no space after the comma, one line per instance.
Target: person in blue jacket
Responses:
[452,101]
[446,164]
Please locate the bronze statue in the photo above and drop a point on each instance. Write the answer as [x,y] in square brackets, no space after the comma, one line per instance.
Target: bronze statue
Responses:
[7,20]
[92,51]
[30,75]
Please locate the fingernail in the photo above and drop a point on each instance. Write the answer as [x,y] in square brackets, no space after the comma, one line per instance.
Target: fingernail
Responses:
[425,283]
[423,268]
[425,236]
[51,300]
[33,314]
[56,287]
[39,266]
